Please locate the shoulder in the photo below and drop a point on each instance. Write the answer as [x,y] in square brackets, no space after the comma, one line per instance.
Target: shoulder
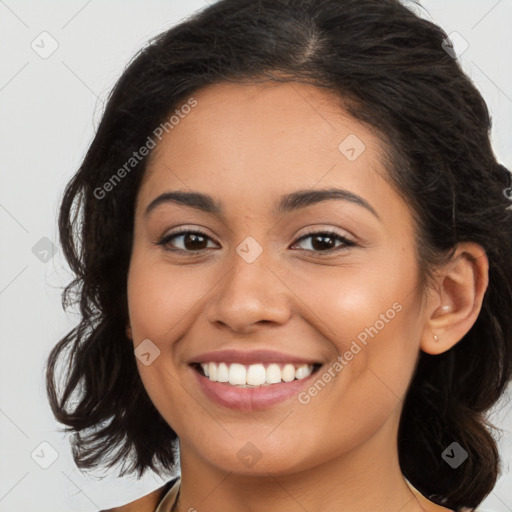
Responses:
[147,503]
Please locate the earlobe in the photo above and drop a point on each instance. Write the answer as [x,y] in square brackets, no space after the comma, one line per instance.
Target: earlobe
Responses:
[129,332]
[456,304]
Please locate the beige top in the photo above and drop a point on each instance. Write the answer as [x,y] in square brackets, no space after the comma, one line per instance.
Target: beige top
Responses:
[169,500]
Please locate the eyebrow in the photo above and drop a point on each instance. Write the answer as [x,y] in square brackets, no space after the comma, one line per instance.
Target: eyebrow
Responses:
[287,203]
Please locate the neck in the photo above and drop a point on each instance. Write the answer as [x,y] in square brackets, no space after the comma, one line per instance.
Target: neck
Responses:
[368,478]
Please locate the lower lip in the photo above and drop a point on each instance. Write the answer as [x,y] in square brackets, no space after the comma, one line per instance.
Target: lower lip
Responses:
[250,399]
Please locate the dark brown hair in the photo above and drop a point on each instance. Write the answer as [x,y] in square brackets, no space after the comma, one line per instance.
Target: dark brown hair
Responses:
[390,70]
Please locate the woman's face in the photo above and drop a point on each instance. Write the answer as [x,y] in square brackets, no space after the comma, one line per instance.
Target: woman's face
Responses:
[284,278]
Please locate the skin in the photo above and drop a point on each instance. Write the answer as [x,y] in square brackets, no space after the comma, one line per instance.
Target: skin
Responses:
[247,145]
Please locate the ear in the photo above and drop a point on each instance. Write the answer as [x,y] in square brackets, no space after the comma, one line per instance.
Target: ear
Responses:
[455,299]
[129,332]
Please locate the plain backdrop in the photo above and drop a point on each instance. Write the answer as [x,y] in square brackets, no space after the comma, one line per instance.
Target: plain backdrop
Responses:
[50,105]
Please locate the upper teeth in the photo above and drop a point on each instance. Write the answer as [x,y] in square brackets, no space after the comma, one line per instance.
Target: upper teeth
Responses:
[255,374]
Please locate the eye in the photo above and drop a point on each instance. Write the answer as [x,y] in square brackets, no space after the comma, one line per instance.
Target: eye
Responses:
[189,241]
[325,242]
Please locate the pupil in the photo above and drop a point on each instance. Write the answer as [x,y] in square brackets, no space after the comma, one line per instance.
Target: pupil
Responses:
[323,244]
[194,238]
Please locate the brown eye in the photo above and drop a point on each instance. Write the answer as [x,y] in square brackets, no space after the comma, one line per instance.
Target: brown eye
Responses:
[187,241]
[325,241]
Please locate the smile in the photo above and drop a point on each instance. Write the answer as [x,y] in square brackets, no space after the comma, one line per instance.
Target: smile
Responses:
[254,375]
[236,392]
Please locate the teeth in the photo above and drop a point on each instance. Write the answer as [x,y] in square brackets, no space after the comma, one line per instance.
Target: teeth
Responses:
[223,372]
[273,374]
[212,371]
[237,374]
[255,374]
[288,373]
[302,372]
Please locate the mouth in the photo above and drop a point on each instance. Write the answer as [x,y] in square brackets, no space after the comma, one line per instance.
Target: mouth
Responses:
[253,386]
[252,380]
[254,375]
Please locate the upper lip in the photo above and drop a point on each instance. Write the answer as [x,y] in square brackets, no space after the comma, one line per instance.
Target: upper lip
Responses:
[250,357]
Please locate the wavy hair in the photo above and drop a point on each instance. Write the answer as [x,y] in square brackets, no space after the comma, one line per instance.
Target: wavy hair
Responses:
[390,70]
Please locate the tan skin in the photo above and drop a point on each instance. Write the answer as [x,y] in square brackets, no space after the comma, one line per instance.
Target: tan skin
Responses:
[246,146]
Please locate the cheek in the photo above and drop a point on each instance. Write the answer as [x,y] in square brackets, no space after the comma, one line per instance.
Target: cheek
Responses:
[160,301]
[369,314]
[372,296]
[163,304]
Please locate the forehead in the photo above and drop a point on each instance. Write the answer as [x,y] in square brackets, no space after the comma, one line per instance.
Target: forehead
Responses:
[263,140]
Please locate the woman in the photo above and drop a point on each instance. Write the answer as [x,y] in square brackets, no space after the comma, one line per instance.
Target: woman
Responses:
[291,241]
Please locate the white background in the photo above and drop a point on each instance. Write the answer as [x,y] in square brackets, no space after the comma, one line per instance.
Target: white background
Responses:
[49,109]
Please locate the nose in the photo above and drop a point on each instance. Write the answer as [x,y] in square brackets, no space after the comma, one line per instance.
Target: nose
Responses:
[249,294]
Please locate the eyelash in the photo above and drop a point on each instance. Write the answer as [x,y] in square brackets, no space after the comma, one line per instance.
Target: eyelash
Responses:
[346,243]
